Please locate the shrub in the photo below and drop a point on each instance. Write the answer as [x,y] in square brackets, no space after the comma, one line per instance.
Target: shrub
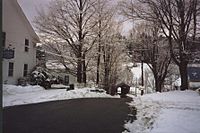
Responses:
[41,77]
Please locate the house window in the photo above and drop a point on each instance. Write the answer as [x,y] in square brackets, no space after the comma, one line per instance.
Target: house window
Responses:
[10,69]
[4,39]
[26,45]
[25,70]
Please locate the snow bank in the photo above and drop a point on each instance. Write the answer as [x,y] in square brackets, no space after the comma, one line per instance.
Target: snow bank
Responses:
[59,86]
[13,89]
[175,120]
[169,112]
[17,95]
[146,113]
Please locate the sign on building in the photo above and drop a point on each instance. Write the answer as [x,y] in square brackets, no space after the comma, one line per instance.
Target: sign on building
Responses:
[194,74]
[8,53]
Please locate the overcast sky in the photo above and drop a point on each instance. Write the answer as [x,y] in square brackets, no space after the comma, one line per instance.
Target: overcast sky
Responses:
[30,8]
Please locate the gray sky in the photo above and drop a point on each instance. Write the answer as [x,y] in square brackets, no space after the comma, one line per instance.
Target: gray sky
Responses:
[29,7]
[30,10]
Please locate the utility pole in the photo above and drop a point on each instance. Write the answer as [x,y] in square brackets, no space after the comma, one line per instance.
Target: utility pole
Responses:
[142,68]
[142,73]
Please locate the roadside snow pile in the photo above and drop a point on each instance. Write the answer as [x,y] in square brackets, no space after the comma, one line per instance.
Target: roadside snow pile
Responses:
[17,95]
[12,89]
[59,86]
[169,112]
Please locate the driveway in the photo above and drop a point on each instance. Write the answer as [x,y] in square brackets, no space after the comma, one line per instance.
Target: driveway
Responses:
[91,115]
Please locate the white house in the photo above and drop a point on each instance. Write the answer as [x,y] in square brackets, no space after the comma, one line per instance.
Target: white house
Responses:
[58,70]
[18,38]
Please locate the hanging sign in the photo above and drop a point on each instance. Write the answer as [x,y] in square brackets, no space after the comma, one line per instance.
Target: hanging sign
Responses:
[8,53]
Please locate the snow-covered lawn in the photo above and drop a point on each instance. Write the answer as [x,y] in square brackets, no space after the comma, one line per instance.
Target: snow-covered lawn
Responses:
[168,112]
[17,95]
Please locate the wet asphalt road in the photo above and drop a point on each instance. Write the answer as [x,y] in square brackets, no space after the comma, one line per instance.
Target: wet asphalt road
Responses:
[92,115]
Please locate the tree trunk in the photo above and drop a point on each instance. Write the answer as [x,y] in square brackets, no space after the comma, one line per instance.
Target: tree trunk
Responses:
[98,63]
[79,69]
[184,75]
[158,83]
[80,40]
[194,21]
[98,66]
[106,71]
[106,79]
[84,70]
[99,44]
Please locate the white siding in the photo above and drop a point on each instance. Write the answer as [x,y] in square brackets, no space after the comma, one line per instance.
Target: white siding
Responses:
[15,26]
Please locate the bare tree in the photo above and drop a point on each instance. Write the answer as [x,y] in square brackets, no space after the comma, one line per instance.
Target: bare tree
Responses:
[104,16]
[153,50]
[56,49]
[71,22]
[112,56]
[177,19]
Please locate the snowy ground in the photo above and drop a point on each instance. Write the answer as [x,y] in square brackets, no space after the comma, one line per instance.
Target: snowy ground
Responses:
[18,95]
[169,112]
